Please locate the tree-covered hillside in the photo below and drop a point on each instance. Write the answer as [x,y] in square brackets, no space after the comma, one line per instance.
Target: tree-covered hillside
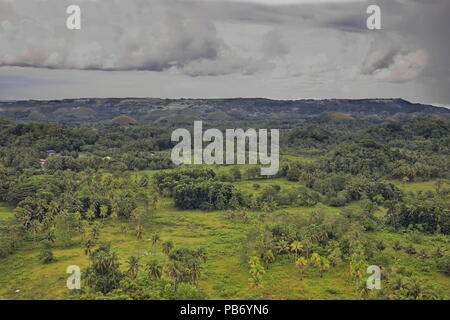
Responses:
[175,111]
[352,192]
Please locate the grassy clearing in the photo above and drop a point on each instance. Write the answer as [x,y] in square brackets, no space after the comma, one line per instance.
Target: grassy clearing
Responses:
[418,186]
[6,211]
[225,274]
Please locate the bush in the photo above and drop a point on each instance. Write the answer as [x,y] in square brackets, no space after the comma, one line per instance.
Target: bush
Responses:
[207,195]
[46,254]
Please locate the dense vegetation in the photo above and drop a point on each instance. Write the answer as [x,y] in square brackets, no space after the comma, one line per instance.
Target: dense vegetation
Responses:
[351,192]
[164,112]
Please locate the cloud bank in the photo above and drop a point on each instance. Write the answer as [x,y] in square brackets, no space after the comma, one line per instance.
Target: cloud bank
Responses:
[142,35]
[274,48]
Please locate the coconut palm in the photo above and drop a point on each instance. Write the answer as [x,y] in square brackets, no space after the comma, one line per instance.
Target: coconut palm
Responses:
[90,215]
[139,231]
[95,232]
[103,211]
[201,255]
[268,257]
[175,272]
[155,239]
[301,263]
[154,270]
[88,246]
[320,263]
[282,246]
[195,272]
[296,247]
[257,272]
[324,265]
[167,246]
[253,261]
[114,216]
[34,228]
[133,267]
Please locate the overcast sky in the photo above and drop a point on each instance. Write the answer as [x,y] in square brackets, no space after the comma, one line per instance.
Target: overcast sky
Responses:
[283,49]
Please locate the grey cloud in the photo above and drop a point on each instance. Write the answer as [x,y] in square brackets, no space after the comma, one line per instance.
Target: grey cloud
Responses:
[23,81]
[273,46]
[179,37]
[401,67]
[155,36]
[226,65]
[349,23]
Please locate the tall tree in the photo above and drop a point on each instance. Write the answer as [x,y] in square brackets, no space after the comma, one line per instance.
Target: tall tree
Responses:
[133,267]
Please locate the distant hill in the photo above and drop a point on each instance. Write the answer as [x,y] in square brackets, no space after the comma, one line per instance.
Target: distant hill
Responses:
[123,120]
[173,111]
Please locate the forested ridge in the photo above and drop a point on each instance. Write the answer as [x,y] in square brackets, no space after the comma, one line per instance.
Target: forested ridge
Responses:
[176,111]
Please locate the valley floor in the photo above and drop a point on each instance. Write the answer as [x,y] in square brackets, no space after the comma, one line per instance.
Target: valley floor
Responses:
[225,274]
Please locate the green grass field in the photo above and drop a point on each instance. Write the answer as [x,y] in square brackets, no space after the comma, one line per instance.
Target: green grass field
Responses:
[417,186]
[6,211]
[225,274]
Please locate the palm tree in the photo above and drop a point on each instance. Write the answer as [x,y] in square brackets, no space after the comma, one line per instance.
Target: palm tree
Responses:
[95,232]
[88,246]
[154,199]
[315,257]
[296,247]
[133,267]
[34,230]
[174,271]
[301,263]
[268,257]
[320,263]
[114,216]
[253,261]
[90,215]
[139,231]
[397,246]
[324,265]
[363,289]
[155,239]
[307,245]
[103,211]
[53,208]
[79,221]
[282,246]
[201,255]
[357,266]
[257,272]
[195,272]
[167,246]
[154,270]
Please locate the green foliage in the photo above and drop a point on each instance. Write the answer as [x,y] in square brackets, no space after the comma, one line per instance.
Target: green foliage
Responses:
[103,273]
[46,254]
[330,212]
